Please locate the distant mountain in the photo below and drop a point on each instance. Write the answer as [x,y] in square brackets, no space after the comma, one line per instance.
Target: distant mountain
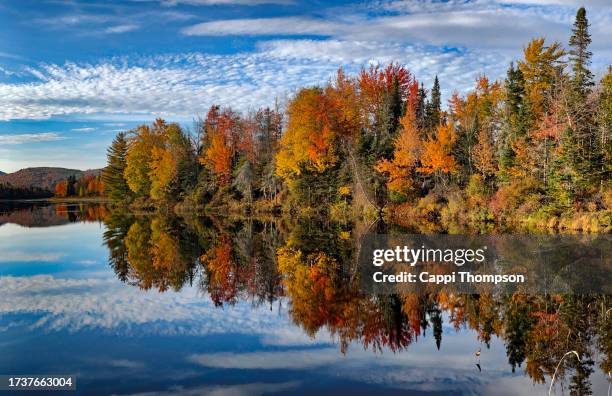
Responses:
[2,173]
[45,177]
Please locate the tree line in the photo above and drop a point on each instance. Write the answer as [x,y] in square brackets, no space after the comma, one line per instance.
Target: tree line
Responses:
[85,186]
[535,145]
[10,192]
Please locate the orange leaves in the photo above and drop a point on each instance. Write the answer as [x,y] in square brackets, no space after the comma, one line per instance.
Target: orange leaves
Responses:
[484,154]
[437,156]
[311,284]
[222,274]
[61,189]
[375,81]
[221,136]
[219,157]
[310,137]
[407,152]
[344,109]
[539,69]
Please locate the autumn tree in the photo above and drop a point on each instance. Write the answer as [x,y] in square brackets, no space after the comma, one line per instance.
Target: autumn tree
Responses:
[268,125]
[172,171]
[139,157]
[383,92]
[221,141]
[400,170]
[540,68]
[61,189]
[309,155]
[437,155]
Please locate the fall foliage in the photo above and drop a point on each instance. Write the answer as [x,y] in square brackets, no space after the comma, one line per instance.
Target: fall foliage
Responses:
[386,139]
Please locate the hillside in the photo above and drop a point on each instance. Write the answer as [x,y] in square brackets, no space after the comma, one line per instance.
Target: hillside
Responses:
[2,173]
[45,177]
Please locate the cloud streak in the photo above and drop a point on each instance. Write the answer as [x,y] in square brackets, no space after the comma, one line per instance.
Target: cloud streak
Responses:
[181,87]
[30,138]
[172,3]
[456,40]
[473,24]
[122,28]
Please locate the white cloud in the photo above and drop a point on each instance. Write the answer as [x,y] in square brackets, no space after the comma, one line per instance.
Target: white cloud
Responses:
[253,389]
[45,304]
[30,138]
[171,3]
[457,40]
[22,256]
[289,337]
[264,26]
[121,28]
[181,87]
[85,129]
[577,3]
[105,304]
[290,360]
[126,364]
[477,24]
[86,262]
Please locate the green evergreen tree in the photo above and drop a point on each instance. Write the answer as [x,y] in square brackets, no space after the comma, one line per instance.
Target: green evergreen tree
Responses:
[421,110]
[580,56]
[605,124]
[114,182]
[516,119]
[434,107]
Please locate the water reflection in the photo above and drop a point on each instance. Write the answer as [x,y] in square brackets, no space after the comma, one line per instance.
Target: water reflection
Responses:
[246,266]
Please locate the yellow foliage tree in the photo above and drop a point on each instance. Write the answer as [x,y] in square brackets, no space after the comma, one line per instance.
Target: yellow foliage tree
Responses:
[540,68]
[309,140]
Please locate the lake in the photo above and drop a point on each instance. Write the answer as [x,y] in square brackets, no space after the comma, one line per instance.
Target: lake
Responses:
[160,304]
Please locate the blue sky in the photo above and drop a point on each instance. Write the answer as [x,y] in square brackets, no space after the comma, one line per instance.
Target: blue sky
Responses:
[74,73]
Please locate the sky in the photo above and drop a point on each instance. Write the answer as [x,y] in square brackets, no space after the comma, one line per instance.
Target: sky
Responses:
[74,73]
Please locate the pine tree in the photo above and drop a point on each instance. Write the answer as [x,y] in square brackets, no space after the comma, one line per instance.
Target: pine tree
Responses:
[114,182]
[421,109]
[391,113]
[517,121]
[605,123]
[580,56]
[434,107]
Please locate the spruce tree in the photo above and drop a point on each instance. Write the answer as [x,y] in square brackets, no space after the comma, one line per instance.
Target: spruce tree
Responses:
[114,182]
[516,121]
[434,107]
[421,110]
[580,56]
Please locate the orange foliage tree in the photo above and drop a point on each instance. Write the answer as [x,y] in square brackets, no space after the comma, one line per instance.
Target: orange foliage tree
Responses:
[437,156]
[407,148]
[308,143]
[221,131]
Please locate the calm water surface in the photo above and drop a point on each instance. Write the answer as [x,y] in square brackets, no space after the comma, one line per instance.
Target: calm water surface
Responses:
[158,305]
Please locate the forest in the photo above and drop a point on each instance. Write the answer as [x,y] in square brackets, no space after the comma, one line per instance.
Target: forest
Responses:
[84,186]
[10,192]
[533,148]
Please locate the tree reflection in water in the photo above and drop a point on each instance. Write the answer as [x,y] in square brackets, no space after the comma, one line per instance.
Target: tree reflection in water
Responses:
[311,262]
